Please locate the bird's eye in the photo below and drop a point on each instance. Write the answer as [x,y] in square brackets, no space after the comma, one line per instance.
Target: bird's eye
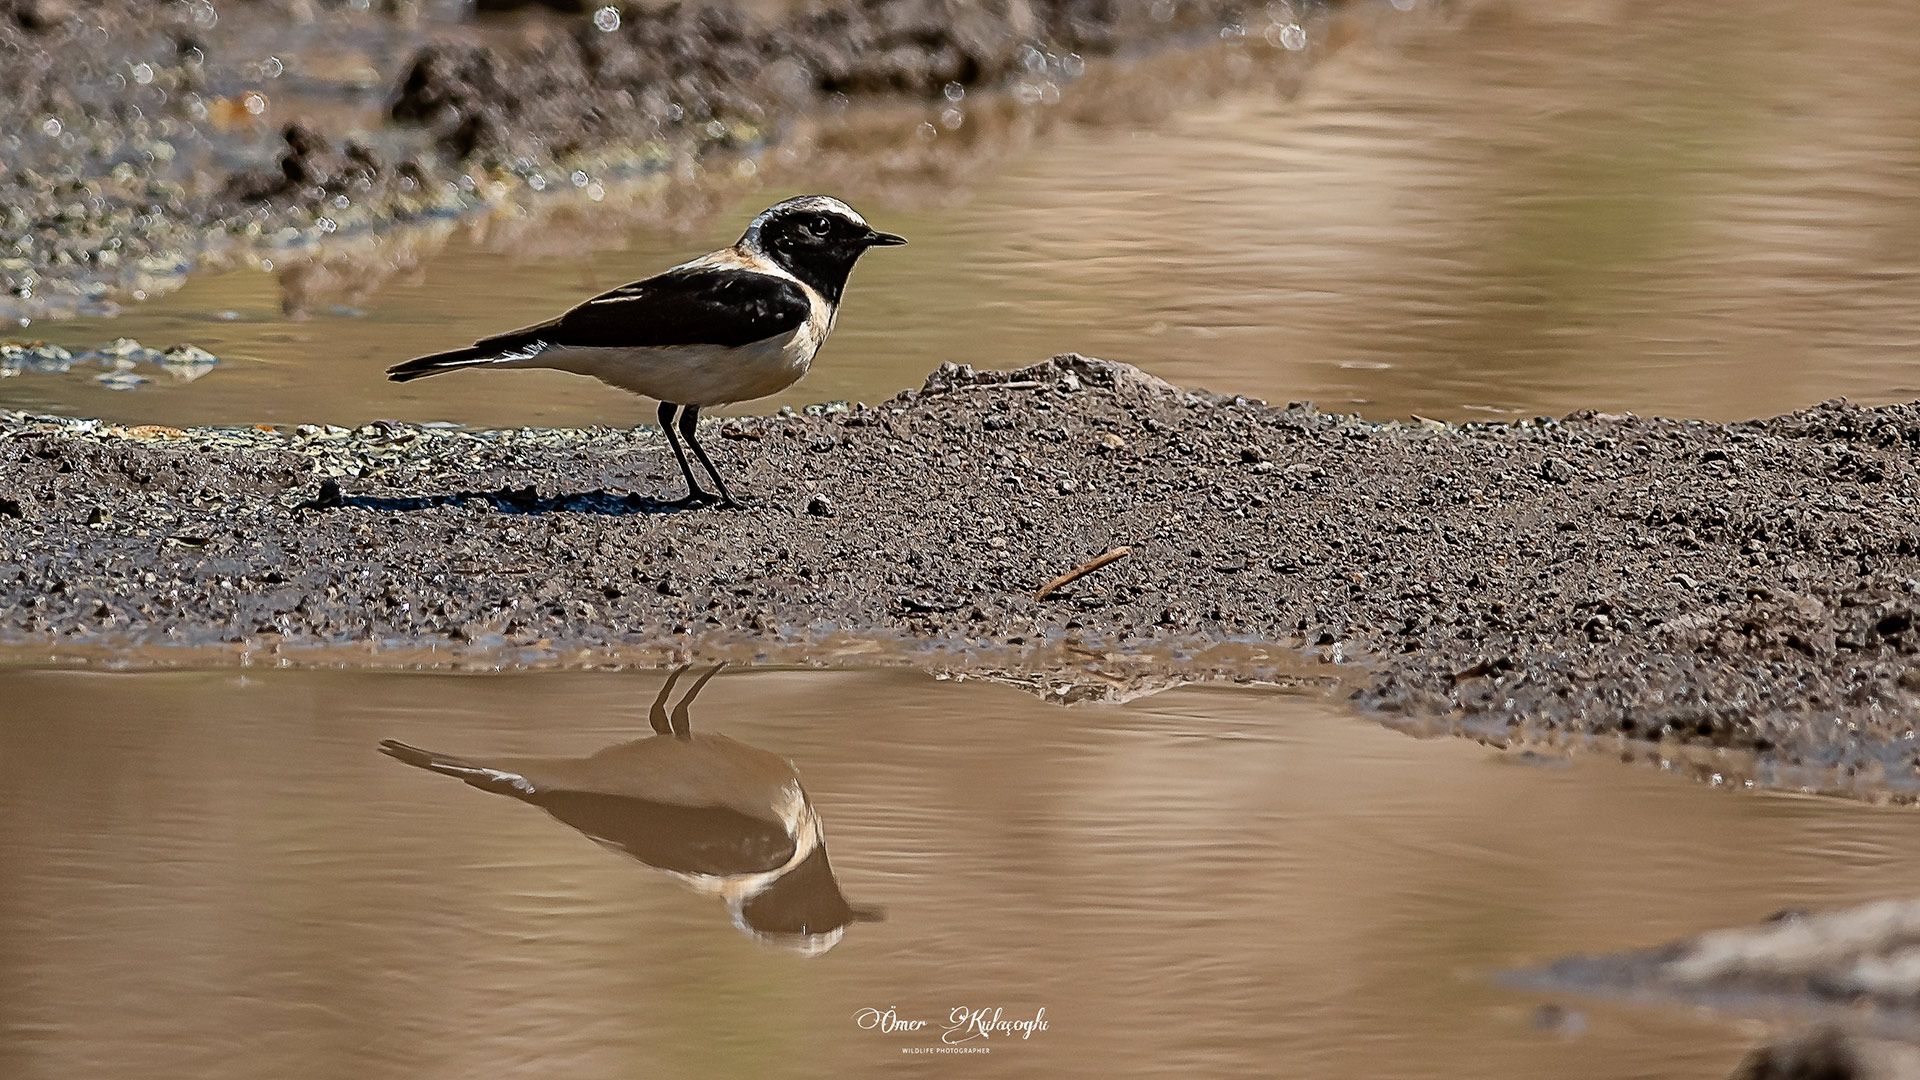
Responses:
[817,226]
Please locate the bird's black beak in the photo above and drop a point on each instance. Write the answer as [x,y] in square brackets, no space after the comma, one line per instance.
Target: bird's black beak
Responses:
[884,239]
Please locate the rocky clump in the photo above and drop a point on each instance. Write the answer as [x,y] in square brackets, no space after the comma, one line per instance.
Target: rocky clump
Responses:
[643,72]
[1753,586]
[138,140]
[1853,968]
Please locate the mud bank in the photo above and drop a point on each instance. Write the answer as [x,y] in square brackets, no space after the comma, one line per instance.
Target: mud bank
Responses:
[1848,971]
[1753,586]
[144,140]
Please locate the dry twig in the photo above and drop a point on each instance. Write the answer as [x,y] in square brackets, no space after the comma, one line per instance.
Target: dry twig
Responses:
[1081,571]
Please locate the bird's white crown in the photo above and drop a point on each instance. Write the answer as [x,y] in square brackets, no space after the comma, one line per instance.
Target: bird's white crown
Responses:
[801,204]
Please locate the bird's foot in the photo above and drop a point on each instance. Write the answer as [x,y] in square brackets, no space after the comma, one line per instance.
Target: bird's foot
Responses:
[696,499]
[739,502]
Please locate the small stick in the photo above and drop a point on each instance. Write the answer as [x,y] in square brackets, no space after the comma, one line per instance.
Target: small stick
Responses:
[1081,571]
[1017,384]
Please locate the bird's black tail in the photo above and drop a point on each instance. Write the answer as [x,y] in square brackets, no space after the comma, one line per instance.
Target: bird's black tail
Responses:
[499,781]
[422,366]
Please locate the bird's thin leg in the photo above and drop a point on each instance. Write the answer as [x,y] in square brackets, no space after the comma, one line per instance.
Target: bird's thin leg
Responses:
[683,727]
[695,493]
[689,421]
[658,717]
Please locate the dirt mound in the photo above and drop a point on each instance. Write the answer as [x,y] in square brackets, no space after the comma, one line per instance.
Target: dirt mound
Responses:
[1753,586]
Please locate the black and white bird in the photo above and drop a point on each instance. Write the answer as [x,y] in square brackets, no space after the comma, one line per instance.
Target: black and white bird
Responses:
[738,324]
[728,819]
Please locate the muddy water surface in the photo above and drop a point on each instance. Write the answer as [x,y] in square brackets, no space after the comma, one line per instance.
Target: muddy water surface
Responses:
[1519,207]
[1527,207]
[218,875]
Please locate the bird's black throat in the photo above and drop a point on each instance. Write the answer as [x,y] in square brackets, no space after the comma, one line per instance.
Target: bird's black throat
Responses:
[824,269]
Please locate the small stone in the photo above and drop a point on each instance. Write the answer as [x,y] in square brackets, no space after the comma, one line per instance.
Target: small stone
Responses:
[187,362]
[820,506]
[1067,486]
[1252,454]
[1111,441]
[49,359]
[122,348]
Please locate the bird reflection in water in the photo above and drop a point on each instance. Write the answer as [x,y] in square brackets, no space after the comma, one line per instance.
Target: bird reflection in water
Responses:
[729,820]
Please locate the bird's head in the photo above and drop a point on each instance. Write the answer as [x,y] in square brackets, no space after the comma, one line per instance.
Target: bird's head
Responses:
[816,239]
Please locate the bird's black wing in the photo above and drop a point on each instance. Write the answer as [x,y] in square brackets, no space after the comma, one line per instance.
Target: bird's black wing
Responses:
[713,840]
[696,305]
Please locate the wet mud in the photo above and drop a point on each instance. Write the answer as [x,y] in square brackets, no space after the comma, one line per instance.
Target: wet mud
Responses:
[1745,591]
[1848,972]
[144,141]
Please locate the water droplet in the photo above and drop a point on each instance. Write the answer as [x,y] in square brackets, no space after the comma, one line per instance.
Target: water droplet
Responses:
[675,112]
[746,169]
[715,129]
[537,182]
[1293,37]
[271,67]
[326,225]
[1405,5]
[143,73]
[580,178]
[955,91]
[51,125]
[607,19]
[255,103]
[596,192]
[951,119]
[1161,11]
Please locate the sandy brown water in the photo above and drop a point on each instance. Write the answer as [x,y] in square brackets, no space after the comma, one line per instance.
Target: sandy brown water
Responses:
[1506,208]
[1681,208]
[216,874]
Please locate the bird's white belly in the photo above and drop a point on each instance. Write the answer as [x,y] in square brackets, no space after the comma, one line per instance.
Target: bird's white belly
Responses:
[696,374]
